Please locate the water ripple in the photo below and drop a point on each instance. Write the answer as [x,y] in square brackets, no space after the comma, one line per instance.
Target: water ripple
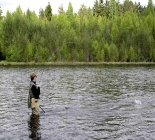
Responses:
[80,103]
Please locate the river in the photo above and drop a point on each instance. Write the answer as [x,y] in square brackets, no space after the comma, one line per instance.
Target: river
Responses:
[80,103]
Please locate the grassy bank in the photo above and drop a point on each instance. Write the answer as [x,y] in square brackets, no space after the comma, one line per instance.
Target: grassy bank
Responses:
[72,63]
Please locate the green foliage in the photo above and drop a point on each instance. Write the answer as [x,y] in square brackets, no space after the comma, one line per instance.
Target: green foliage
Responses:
[131,54]
[150,8]
[41,13]
[48,12]
[123,54]
[1,35]
[110,31]
[113,52]
[107,52]
[113,9]
[41,54]
[13,54]
[29,52]
[98,51]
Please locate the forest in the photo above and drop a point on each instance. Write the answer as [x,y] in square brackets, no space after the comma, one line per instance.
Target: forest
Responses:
[109,31]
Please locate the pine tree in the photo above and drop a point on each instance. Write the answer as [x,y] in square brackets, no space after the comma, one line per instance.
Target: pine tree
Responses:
[113,9]
[48,12]
[150,7]
[69,12]
[96,10]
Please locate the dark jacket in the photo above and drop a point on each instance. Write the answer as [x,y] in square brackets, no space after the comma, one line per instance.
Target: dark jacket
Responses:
[35,90]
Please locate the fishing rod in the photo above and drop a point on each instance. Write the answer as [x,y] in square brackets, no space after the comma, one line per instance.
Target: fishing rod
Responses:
[42,109]
[41,76]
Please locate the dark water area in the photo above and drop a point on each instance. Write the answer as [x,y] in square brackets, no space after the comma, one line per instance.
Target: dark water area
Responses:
[80,103]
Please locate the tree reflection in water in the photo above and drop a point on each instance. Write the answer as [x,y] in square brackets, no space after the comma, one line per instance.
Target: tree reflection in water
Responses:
[34,127]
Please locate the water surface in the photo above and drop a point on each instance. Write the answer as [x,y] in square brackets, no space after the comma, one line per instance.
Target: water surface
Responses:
[80,103]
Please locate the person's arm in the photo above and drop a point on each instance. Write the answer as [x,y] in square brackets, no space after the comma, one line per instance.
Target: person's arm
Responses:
[38,90]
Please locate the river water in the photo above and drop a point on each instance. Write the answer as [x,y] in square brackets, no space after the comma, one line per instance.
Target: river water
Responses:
[80,103]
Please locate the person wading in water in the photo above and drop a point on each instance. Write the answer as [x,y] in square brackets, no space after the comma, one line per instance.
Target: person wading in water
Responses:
[33,97]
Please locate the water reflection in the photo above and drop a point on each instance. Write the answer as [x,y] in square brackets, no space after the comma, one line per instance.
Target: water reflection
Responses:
[34,127]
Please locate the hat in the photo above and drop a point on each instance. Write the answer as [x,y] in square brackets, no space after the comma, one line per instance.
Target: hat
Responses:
[32,75]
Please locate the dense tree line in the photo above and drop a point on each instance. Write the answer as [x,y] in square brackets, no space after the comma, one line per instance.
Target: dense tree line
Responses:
[109,31]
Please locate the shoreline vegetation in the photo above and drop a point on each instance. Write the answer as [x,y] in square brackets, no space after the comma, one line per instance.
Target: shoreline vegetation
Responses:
[108,32]
[4,63]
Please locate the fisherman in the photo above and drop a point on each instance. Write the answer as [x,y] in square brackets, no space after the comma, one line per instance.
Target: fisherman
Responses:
[33,97]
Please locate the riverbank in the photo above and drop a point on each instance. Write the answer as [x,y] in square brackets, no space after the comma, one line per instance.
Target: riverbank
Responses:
[72,63]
